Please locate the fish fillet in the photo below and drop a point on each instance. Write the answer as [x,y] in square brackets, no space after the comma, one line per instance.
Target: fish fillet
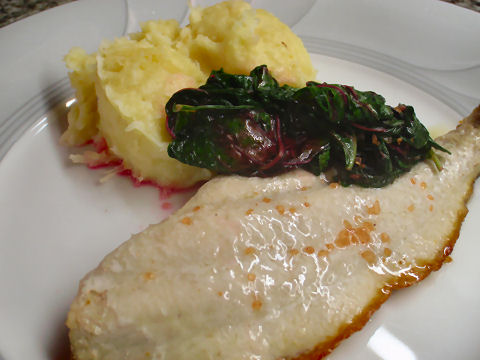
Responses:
[275,268]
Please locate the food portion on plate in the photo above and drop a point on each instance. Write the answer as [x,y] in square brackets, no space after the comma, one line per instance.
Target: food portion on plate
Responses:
[122,90]
[271,268]
[331,198]
[250,125]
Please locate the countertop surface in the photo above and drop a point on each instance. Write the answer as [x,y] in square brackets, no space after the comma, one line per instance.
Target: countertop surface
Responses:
[13,10]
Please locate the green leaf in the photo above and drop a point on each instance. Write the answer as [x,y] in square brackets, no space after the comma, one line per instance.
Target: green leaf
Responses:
[252,126]
[349,145]
[323,159]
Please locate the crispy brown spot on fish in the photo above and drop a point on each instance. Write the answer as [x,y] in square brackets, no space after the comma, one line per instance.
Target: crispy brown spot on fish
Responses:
[374,209]
[308,250]
[362,234]
[322,253]
[256,304]
[369,256]
[343,239]
[280,209]
[186,221]
[250,250]
[329,246]
[368,225]
[385,237]
[293,252]
[149,276]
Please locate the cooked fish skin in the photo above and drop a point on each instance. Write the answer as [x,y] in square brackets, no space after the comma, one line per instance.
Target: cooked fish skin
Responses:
[273,268]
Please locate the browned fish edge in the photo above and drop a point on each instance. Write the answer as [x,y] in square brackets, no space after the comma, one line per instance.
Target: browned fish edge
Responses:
[416,275]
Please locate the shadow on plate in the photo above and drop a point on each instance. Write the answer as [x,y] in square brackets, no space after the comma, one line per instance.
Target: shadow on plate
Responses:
[59,348]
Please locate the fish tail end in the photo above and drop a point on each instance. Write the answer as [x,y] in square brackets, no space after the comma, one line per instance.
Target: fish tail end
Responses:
[473,119]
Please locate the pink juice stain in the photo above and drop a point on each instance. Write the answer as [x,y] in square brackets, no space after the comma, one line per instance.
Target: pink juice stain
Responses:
[165,192]
[105,164]
[167,205]
[100,147]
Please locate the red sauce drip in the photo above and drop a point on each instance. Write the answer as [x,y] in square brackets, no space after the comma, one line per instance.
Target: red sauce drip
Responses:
[165,192]
[166,205]
[101,145]
[88,142]
[106,164]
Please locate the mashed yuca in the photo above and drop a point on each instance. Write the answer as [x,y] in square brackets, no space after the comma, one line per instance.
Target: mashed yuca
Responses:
[122,90]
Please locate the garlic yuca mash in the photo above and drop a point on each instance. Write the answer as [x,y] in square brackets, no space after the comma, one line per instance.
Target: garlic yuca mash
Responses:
[122,90]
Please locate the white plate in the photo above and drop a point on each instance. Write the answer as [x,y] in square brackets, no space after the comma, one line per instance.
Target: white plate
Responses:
[57,222]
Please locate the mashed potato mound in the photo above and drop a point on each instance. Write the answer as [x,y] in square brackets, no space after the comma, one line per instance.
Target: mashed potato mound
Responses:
[122,90]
